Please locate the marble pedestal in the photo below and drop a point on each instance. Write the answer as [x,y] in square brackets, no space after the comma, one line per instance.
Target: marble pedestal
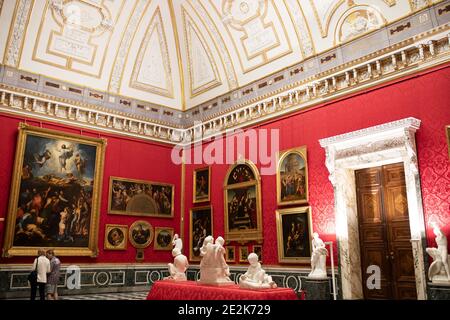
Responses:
[438,291]
[316,289]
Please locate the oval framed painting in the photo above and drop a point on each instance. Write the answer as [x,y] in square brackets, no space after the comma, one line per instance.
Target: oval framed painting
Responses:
[141,234]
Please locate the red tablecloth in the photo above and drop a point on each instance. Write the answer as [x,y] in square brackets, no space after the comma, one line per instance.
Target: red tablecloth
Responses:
[191,290]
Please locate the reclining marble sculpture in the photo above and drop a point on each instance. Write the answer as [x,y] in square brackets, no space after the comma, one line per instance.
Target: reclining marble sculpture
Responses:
[213,268]
[439,269]
[318,259]
[256,278]
[177,269]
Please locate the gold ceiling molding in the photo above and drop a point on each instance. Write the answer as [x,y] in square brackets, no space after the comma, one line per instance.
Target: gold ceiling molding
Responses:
[16,36]
[329,14]
[191,30]
[133,23]
[390,3]
[219,43]
[75,39]
[155,28]
[417,5]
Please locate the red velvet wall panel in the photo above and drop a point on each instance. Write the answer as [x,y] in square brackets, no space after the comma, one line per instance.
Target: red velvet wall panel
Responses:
[124,157]
[425,96]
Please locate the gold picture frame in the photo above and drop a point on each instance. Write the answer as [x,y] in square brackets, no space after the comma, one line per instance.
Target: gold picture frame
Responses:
[258,250]
[447,131]
[294,231]
[163,238]
[200,226]
[137,198]
[116,237]
[230,253]
[243,254]
[292,188]
[243,220]
[201,192]
[141,234]
[61,168]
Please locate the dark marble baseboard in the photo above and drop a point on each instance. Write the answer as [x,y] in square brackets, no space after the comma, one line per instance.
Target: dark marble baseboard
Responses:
[438,292]
[139,277]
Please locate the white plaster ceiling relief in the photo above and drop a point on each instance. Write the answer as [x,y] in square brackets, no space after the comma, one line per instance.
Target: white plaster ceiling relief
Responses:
[202,68]
[152,71]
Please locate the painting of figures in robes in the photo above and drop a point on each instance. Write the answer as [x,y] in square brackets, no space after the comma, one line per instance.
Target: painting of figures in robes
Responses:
[54,198]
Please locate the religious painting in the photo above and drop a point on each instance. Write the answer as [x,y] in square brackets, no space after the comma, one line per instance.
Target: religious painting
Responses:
[163,238]
[55,193]
[292,177]
[202,188]
[294,229]
[243,254]
[258,250]
[141,234]
[200,226]
[116,237]
[447,129]
[242,205]
[140,198]
[230,253]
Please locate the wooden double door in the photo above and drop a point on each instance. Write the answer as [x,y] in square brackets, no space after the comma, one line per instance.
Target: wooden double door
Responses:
[384,232]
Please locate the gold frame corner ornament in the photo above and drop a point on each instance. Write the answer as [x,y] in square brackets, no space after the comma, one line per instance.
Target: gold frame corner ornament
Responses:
[123,228]
[302,152]
[244,236]
[191,231]
[156,246]
[194,185]
[281,212]
[24,130]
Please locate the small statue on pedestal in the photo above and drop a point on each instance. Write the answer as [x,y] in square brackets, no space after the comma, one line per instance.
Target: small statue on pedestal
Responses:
[177,269]
[318,258]
[177,242]
[213,268]
[439,268]
[256,277]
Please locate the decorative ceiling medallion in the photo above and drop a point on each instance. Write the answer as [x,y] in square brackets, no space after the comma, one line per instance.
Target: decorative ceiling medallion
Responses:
[203,73]
[358,21]
[152,70]
[323,12]
[418,4]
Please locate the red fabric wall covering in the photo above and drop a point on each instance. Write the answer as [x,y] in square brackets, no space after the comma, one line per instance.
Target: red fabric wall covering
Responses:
[424,96]
[125,157]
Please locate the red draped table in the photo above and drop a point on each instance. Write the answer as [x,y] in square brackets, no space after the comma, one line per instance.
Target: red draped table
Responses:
[191,290]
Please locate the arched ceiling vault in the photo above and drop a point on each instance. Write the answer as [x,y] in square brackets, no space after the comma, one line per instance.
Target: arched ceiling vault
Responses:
[180,53]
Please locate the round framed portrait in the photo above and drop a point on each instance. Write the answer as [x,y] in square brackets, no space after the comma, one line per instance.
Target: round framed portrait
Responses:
[141,234]
[116,237]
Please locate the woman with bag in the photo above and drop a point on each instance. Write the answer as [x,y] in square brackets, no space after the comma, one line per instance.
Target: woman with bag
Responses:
[38,275]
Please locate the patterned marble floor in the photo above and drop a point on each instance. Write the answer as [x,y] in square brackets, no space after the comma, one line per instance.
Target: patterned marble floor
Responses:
[109,296]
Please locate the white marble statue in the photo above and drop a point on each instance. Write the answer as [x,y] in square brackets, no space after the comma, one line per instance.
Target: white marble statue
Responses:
[318,258]
[177,242]
[177,269]
[213,268]
[256,277]
[439,268]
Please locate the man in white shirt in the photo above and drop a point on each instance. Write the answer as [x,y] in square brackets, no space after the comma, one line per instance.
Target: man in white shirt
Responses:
[42,265]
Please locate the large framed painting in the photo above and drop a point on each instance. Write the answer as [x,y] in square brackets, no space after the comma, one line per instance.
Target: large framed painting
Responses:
[163,238]
[447,130]
[292,177]
[294,230]
[116,237]
[55,193]
[141,234]
[140,198]
[242,207]
[201,184]
[200,226]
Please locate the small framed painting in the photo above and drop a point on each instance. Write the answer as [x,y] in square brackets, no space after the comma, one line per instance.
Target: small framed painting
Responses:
[258,250]
[200,226]
[202,184]
[243,254]
[116,237]
[141,234]
[163,238]
[230,253]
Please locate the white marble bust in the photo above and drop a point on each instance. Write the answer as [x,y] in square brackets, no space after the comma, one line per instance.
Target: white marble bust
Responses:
[255,277]
[439,268]
[318,258]
[213,267]
[177,269]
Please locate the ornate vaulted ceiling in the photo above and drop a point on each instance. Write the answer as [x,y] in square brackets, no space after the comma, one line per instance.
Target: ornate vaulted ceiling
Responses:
[180,53]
